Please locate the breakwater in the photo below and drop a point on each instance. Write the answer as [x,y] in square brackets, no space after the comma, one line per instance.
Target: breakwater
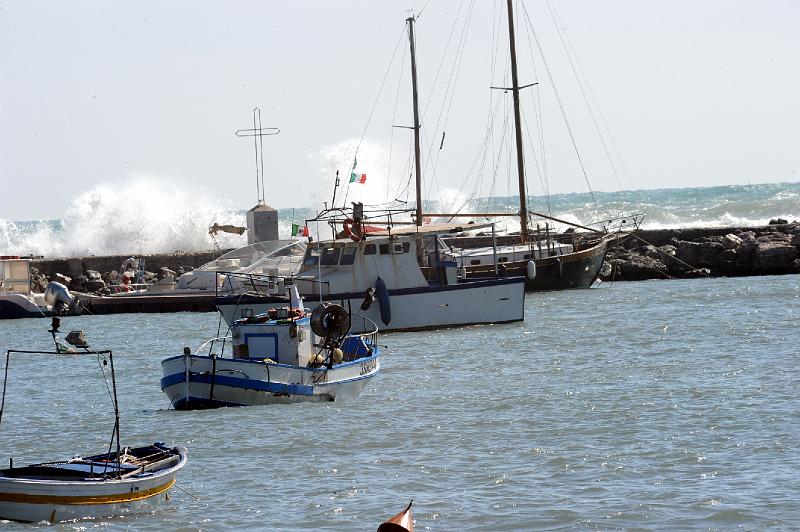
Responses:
[704,252]
[644,254]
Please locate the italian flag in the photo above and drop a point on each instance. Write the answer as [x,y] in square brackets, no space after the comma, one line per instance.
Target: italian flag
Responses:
[356,178]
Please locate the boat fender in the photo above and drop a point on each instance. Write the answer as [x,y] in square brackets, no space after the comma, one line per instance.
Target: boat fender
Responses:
[369,299]
[559,269]
[462,273]
[338,355]
[531,270]
[383,301]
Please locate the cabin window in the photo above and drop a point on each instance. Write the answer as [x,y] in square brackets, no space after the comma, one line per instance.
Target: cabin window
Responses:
[348,256]
[369,249]
[384,249]
[502,259]
[311,258]
[406,247]
[526,257]
[475,262]
[330,256]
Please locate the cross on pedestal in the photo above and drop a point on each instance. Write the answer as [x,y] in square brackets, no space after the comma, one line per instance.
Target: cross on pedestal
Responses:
[258,133]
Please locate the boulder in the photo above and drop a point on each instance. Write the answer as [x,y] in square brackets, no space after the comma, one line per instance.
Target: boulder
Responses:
[731,241]
[774,255]
[165,272]
[63,279]
[697,254]
[641,267]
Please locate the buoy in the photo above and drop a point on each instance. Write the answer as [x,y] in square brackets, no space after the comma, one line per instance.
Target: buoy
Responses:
[338,355]
[531,270]
[559,269]
[383,301]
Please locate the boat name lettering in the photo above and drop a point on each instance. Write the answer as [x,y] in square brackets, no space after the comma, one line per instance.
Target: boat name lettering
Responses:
[369,366]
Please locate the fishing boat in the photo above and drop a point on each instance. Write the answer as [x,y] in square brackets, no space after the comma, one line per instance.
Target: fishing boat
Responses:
[284,355]
[410,296]
[17,300]
[121,481]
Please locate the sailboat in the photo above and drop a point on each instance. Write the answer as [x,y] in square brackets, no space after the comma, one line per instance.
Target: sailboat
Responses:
[547,261]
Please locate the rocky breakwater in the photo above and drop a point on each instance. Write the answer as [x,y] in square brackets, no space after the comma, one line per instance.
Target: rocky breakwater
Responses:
[709,252]
[104,275]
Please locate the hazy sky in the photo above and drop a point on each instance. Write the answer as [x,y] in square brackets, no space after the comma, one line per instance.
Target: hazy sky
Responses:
[694,93]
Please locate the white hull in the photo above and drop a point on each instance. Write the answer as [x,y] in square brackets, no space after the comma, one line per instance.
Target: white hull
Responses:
[60,500]
[499,300]
[235,382]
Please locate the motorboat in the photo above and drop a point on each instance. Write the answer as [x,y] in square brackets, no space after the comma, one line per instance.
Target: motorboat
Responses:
[17,300]
[286,354]
[410,296]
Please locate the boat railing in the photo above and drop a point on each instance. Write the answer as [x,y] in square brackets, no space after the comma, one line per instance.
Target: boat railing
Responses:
[210,344]
[370,328]
[237,283]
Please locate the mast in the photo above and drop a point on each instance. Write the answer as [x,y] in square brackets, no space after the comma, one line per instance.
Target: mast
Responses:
[523,199]
[410,21]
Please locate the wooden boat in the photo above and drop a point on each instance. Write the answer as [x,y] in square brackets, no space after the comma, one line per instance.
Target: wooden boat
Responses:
[284,355]
[132,480]
[121,481]
[402,522]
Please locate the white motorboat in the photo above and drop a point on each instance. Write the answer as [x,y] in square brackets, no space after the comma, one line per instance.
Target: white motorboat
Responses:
[286,354]
[121,481]
[18,301]
[410,297]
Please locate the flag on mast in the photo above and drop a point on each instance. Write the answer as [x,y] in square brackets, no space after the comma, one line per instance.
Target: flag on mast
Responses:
[355,177]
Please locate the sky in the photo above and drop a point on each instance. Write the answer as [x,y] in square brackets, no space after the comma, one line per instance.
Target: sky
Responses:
[105,94]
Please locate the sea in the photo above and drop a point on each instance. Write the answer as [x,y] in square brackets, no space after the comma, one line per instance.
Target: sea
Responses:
[653,405]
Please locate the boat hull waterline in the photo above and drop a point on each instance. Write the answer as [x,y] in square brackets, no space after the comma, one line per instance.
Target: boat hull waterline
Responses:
[195,382]
[34,500]
[501,301]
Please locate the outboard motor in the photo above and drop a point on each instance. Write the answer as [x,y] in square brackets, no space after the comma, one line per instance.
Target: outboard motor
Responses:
[57,295]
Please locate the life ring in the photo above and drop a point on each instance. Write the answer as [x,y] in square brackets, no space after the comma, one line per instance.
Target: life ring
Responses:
[347,227]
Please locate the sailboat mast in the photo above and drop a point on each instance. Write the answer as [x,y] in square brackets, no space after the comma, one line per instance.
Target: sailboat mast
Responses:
[410,21]
[523,198]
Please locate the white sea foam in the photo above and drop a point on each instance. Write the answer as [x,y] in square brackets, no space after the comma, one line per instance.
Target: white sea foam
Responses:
[141,215]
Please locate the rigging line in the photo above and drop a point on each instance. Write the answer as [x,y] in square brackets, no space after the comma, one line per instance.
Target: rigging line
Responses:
[560,104]
[561,37]
[441,62]
[536,101]
[594,100]
[372,111]
[392,128]
[451,90]
[483,148]
[538,167]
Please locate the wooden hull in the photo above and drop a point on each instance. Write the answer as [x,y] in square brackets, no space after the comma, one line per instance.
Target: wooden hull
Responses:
[573,270]
[34,500]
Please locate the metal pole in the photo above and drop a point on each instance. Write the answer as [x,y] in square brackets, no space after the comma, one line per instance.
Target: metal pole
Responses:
[523,200]
[410,21]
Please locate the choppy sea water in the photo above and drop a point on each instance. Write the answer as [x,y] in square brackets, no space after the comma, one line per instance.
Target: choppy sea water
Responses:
[663,405]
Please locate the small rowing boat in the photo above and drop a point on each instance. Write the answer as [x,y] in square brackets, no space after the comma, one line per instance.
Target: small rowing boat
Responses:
[120,481]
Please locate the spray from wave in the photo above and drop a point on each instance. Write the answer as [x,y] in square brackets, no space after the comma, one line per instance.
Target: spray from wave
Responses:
[139,216]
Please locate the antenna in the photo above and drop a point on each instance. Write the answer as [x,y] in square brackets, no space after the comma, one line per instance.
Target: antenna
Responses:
[258,133]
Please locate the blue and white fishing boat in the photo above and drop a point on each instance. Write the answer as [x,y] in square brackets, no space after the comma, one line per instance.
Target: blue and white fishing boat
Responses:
[284,355]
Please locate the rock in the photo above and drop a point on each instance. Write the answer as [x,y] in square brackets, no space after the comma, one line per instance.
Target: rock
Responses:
[775,256]
[697,254]
[640,268]
[778,221]
[165,272]
[605,271]
[93,275]
[95,285]
[63,279]
[731,241]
